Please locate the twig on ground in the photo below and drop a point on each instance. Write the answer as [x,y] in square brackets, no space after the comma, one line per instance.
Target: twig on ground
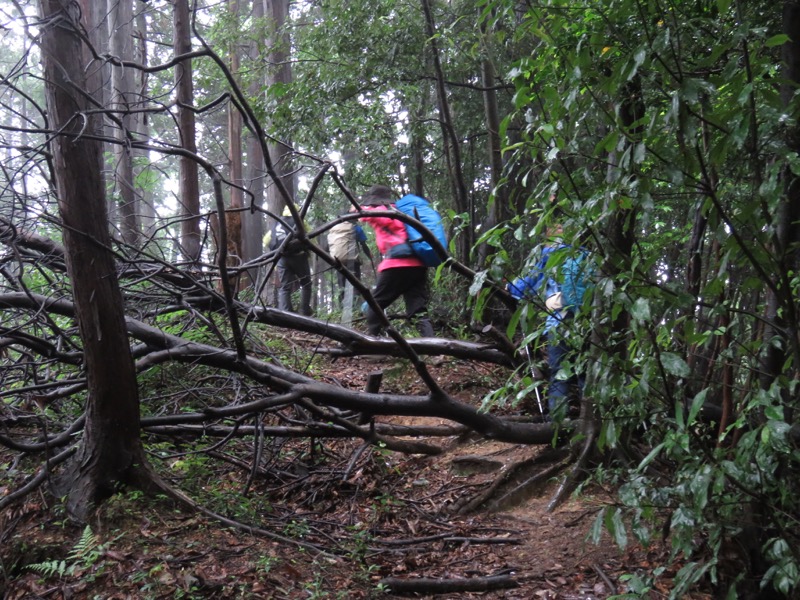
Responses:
[612,589]
[37,480]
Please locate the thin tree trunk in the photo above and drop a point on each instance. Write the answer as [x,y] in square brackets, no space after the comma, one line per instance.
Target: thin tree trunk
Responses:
[620,230]
[498,209]
[188,183]
[255,171]
[120,37]
[233,220]
[416,177]
[276,12]
[141,125]
[451,144]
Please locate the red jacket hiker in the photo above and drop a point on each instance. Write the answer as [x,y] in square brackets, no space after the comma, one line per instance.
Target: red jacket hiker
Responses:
[403,275]
[388,234]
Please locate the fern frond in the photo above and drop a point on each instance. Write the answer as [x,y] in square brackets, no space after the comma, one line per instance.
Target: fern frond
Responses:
[49,568]
[86,551]
[87,543]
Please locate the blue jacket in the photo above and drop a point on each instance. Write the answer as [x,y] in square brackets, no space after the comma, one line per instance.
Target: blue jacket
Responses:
[361,236]
[539,283]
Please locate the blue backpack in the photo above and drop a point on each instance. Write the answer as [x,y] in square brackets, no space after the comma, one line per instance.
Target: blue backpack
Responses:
[576,275]
[421,210]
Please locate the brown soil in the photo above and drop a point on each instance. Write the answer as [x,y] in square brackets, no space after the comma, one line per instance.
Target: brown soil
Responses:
[378,514]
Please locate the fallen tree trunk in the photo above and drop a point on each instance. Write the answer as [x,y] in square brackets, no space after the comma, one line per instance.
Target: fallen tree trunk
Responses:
[291,387]
[425,585]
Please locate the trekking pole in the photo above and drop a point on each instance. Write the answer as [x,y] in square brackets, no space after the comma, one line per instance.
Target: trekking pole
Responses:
[533,375]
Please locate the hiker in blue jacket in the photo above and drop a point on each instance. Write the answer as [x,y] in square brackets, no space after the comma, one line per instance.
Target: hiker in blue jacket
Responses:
[540,282]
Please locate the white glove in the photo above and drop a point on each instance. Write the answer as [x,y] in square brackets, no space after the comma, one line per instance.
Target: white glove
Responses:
[554,302]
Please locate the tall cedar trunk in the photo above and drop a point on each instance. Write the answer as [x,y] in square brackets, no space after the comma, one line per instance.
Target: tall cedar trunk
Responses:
[451,144]
[147,209]
[111,451]
[120,37]
[275,13]
[94,16]
[233,220]
[255,171]
[188,183]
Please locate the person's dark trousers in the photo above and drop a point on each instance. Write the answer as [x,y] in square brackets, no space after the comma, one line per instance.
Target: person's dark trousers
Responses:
[354,266]
[558,392]
[293,270]
[412,284]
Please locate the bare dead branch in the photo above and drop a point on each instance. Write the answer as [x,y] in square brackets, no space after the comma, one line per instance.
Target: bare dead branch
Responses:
[426,585]
[284,381]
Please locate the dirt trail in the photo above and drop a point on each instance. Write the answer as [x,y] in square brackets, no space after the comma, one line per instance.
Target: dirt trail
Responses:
[380,516]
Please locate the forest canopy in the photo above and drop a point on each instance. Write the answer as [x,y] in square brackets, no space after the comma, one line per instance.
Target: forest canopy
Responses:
[150,148]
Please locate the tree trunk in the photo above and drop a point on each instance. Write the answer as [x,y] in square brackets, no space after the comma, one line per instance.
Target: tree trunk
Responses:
[233,220]
[111,451]
[498,210]
[141,126]
[188,184]
[451,144]
[780,303]
[255,171]
[278,41]
[416,176]
[120,37]
[780,316]
[620,230]
[275,13]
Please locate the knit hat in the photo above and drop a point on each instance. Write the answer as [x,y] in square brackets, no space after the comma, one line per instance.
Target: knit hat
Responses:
[378,194]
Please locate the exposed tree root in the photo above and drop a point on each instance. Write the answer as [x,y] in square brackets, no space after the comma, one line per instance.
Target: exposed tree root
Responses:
[509,476]
[609,584]
[527,488]
[588,427]
[576,472]
[517,482]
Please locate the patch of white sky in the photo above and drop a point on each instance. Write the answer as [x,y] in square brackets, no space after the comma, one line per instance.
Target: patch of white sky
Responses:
[18,59]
